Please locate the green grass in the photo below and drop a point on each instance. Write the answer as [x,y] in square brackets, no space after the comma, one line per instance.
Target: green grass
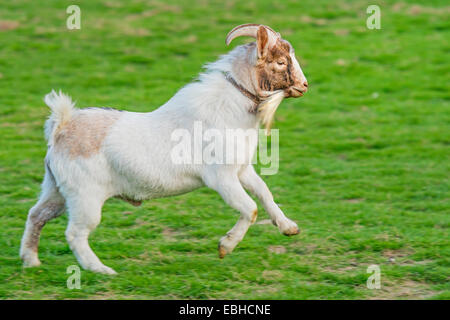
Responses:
[364,156]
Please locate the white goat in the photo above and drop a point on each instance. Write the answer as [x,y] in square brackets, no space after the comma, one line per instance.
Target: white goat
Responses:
[95,154]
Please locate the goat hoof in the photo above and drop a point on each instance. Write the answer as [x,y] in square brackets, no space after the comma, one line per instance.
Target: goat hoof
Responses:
[222,252]
[109,271]
[30,259]
[31,264]
[292,231]
[104,270]
[288,228]
[225,246]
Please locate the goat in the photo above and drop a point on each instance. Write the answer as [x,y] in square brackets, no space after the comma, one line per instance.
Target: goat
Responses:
[98,153]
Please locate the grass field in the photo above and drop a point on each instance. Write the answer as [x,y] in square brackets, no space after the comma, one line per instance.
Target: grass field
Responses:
[364,156]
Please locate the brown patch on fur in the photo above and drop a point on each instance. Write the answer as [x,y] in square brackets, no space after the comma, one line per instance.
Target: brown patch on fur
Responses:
[83,134]
[272,76]
[133,202]
[254,215]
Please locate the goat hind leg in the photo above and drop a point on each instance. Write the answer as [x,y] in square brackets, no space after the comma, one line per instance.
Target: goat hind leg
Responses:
[84,216]
[49,206]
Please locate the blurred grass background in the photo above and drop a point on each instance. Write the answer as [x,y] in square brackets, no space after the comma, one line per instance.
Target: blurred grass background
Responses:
[364,156]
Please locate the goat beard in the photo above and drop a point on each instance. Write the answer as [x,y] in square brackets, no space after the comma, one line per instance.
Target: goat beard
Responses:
[267,109]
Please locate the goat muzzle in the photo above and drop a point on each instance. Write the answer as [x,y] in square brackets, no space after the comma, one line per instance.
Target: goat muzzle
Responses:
[295,92]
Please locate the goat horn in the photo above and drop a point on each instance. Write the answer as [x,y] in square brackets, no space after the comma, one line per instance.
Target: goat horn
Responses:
[249,30]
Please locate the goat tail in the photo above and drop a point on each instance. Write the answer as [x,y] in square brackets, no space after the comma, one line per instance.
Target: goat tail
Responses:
[62,110]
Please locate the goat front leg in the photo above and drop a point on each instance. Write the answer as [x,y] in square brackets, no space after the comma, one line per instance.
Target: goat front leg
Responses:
[253,183]
[228,186]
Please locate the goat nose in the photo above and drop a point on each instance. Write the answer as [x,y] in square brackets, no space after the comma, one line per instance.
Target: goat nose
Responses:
[305,86]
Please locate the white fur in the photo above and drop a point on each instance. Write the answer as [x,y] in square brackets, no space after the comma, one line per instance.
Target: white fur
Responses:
[134,160]
[267,109]
[62,109]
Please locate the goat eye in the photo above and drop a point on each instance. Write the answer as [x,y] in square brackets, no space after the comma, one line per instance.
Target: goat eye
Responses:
[280,63]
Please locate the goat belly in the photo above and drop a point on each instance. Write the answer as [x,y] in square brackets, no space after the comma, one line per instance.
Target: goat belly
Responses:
[138,150]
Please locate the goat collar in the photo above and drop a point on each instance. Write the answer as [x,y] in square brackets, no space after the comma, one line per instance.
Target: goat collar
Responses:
[245,92]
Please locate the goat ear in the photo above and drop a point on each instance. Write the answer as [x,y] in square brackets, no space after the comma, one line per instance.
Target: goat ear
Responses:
[262,41]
